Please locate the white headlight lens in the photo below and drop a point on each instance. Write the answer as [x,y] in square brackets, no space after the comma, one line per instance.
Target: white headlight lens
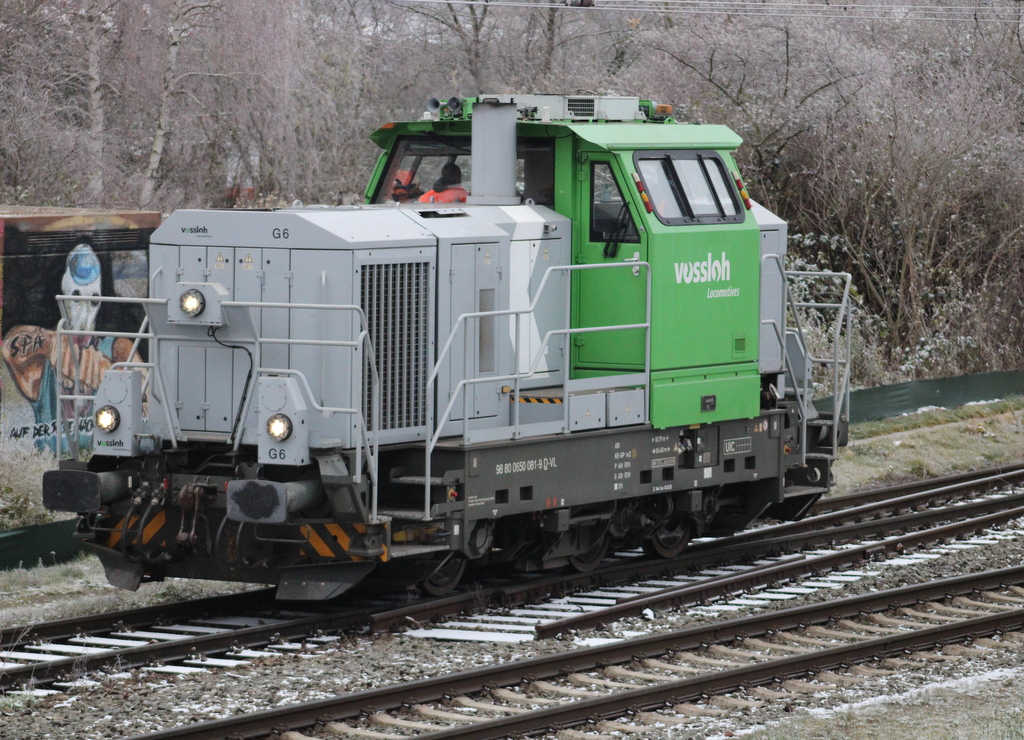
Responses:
[192,302]
[107,419]
[279,427]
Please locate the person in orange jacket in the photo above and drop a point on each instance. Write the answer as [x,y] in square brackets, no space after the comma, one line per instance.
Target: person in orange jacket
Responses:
[404,189]
[448,188]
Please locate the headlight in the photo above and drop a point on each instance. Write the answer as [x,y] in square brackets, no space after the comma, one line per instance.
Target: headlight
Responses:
[192,302]
[279,427]
[107,419]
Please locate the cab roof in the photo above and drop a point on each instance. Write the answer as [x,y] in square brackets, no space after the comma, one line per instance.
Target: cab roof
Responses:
[611,135]
[642,135]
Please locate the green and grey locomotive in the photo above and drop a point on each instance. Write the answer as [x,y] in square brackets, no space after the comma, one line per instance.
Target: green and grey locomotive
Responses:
[557,324]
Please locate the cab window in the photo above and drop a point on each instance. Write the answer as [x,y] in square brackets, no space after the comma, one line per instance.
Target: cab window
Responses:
[416,165]
[416,162]
[688,187]
[610,219]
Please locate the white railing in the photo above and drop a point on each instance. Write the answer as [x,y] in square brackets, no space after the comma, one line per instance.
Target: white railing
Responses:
[368,444]
[839,363]
[435,430]
[77,398]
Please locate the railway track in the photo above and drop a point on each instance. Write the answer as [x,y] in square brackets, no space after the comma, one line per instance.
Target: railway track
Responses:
[919,526]
[1008,473]
[741,663]
[237,628]
[61,629]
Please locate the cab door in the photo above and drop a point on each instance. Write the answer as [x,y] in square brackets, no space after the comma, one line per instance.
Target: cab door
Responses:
[476,349]
[610,232]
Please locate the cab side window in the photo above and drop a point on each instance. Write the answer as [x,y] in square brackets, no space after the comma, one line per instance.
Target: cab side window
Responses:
[610,219]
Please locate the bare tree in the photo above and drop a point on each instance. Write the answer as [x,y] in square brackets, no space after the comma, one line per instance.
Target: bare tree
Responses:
[97,20]
[892,148]
[185,17]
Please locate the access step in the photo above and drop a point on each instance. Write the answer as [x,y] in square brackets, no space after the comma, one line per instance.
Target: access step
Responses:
[417,480]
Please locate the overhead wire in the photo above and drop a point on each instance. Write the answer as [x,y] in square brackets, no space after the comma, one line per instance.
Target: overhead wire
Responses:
[978,13]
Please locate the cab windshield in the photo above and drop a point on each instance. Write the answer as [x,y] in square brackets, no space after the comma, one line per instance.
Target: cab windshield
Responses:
[687,187]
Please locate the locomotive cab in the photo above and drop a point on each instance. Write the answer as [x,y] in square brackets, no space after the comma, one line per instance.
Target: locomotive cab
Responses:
[590,341]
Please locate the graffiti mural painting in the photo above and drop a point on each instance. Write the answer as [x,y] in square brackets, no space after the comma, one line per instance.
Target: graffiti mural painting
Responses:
[65,259]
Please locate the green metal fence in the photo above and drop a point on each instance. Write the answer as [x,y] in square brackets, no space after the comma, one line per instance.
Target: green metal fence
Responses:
[43,544]
[886,401]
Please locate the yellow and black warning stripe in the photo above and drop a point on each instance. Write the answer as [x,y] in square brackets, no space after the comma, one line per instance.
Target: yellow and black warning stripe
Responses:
[331,540]
[115,534]
[536,399]
[151,530]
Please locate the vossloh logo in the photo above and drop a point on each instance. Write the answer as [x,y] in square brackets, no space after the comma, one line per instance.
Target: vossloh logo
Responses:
[193,230]
[707,271]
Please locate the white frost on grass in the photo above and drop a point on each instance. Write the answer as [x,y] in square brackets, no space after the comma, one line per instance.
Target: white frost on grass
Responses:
[967,682]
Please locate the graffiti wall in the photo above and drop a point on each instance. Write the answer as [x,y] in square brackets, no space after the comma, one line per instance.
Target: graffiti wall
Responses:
[46,252]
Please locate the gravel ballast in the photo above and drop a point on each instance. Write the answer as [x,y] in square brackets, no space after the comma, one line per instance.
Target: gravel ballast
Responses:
[117,705]
[123,704]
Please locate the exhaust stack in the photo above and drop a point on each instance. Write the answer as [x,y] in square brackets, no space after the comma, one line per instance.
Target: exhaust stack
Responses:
[494,153]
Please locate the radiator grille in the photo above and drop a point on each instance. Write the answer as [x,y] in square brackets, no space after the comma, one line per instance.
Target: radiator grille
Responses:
[394,297]
[581,107]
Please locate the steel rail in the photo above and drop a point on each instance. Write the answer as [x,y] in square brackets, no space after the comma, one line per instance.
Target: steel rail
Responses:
[342,619]
[733,547]
[1009,474]
[825,530]
[782,537]
[619,703]
[834,518]
[829,532]
[699,592]
[724,550]
[348,706]
[186,647]
[260,599]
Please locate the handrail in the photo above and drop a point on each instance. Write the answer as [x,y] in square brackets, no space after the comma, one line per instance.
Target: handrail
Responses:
[839,363]
[799,388]
[844,316]
[364,432]
[118,366]
[138,336]
[369,441]
[63,330]
[518,376]
[363,340]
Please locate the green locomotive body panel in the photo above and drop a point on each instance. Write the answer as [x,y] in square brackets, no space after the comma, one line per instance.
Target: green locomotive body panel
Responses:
[706,273]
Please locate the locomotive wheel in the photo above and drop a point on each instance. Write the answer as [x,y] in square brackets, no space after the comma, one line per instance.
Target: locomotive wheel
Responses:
[447,576]
[670,539]
[587,561]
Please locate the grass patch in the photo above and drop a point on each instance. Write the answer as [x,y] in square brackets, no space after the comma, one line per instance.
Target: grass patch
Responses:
[935,417]
[21,487]
[80,587]
[931,444]
[986,710]
[14,702]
